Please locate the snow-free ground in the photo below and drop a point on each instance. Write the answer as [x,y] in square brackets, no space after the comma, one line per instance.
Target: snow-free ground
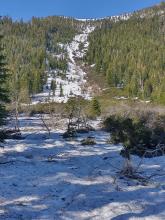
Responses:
[49,178]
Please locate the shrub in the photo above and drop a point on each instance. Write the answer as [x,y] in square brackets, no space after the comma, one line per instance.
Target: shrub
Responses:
[88,141]
[136,134]
[70,134]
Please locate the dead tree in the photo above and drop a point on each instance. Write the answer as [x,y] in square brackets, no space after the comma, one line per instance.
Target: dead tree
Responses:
[45,125]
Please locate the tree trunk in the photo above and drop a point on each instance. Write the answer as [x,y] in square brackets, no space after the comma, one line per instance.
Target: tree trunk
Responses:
[16,116]
[128,168]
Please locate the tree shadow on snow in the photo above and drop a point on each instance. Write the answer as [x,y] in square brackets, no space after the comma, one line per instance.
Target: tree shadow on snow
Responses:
[68,184]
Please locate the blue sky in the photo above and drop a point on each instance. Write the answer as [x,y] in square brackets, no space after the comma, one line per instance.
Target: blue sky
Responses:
[25,9]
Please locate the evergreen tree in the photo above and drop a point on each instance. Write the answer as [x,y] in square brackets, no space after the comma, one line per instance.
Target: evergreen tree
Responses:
[61,90]
[96,108]
[3,92]
[53,86]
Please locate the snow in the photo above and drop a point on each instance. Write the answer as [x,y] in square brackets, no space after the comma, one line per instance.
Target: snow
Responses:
[47,178]
[120,98]
[125,16]
[93,65]
[74,82]
[114,18]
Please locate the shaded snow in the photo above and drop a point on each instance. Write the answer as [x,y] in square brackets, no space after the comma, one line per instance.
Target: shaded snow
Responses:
[50,178]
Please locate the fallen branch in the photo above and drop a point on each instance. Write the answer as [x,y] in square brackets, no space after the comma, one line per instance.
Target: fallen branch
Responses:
[155,174]
[158,148]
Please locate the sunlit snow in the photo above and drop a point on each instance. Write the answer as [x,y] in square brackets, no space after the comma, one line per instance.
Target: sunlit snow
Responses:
[74,83]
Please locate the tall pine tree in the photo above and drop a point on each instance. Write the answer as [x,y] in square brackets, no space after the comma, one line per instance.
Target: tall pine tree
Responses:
[3,92]
[96,108]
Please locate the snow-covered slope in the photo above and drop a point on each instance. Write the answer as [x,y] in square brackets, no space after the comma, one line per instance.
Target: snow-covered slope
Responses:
[49,178]
[74,82]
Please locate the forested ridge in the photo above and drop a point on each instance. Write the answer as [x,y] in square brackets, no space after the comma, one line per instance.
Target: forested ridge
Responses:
[130,54]
[28,48]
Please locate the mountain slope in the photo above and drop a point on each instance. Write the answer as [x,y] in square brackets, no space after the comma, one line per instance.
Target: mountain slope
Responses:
[26,46]
[48,57]
[130,54]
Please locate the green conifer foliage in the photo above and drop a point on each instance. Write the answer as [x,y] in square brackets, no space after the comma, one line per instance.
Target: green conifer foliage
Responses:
[132,53]
[3,91]
[53,86]
[96,108]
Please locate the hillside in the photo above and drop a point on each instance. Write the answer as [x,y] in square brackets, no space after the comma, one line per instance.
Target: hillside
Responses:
[29,48]
[55,58]
[129,54]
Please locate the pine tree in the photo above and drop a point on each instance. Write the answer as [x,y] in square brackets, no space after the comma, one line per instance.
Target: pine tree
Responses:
[3,92]
[61,91]
[53,86]
[96,108]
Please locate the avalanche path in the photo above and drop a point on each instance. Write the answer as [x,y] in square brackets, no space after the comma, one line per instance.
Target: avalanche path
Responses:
[74,83]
